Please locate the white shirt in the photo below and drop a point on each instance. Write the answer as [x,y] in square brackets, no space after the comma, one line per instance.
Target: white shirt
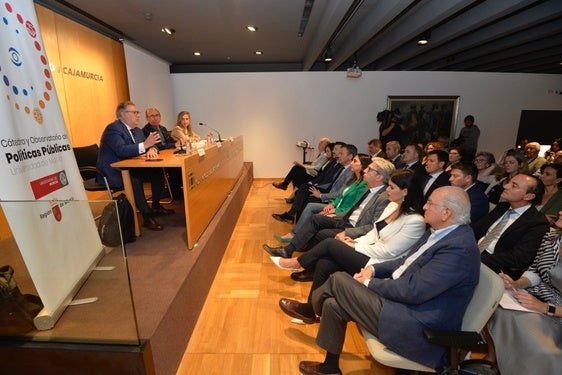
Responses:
[514,216]
[357,212]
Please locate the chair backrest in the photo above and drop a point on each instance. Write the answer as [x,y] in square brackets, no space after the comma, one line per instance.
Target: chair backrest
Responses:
[484,301]
[86,156]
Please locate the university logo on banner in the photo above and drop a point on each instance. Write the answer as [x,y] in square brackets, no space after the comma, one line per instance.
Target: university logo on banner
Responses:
[39,176]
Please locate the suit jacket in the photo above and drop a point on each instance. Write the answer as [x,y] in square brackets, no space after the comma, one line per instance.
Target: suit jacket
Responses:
[169,142]
[370,213]
[392,241]
[479,205]
[517,246]
[433,292]
[116,144]
[325,180]
[338,185]
[420,172]
[441,180]
[398,162]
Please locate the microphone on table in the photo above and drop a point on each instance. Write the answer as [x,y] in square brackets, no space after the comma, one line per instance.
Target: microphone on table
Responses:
[219,134]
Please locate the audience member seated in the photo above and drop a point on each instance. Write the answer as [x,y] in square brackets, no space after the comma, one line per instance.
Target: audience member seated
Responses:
[183,131]
[550,154]
[551,177]
[393,154]
[122,139]
[395,301]
[534,161]
[375,148]
[411,159]
[324,191]
[530,343]
[454,157]
[360,218]
[487,168]
[509,236]
[397,229]
[430,146]
[436,176]
[463,175]
[514,163]
[558,158]
[301,173]
[354,190]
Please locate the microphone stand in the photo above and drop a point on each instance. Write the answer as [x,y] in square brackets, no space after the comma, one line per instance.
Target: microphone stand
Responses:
[213,129]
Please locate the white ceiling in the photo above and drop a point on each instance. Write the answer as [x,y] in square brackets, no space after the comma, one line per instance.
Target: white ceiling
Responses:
[466,35]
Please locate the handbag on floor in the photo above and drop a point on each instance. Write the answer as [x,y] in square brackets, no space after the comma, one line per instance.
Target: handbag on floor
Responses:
[16,310]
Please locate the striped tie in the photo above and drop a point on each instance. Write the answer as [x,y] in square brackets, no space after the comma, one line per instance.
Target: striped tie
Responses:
[496,231]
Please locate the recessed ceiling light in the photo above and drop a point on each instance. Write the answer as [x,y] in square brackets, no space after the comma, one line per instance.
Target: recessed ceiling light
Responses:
[168,30]
[258,53]
[252,28]
[197,53]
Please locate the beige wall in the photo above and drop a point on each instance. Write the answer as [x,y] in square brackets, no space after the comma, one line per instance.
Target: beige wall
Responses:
[88,105]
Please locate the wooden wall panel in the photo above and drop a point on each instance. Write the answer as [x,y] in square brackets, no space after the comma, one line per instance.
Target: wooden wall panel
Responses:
[89,74]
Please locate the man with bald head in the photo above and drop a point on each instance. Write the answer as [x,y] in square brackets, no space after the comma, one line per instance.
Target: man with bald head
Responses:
[153,118]
[429,288]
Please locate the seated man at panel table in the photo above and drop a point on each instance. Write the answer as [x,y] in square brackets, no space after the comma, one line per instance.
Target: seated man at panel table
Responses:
[322,191]
[509,236]
[154,118]
[429,288]
[122,139]
[464,175]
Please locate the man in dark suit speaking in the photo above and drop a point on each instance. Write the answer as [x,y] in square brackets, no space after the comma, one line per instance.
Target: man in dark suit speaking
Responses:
[122,139]
[396,300]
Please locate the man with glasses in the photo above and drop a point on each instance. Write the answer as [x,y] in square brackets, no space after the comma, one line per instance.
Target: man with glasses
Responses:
[122,139]
[397,300]
[358,220]
[153,119]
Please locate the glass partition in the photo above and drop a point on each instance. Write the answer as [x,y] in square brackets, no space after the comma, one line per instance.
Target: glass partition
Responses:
[60,280]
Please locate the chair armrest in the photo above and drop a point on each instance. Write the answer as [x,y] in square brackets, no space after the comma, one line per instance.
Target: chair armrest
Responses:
[457,339]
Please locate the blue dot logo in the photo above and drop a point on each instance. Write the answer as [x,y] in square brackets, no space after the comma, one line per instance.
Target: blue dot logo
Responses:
[15,56]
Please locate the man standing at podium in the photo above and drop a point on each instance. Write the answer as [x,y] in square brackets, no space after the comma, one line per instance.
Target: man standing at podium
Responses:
[122,139]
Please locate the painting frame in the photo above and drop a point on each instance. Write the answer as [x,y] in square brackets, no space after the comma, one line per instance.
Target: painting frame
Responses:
[427,118]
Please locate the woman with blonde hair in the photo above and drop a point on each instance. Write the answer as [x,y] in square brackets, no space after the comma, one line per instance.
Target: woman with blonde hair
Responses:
[183,132]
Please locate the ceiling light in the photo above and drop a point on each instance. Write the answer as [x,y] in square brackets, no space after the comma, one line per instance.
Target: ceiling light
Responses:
[327,56]
[168,30]
[424,38]
[148,16]
[197,53]
[258,53]
[252,28]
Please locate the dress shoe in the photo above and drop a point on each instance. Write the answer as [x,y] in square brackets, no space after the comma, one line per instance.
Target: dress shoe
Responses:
[304,275]
[152,224]
[277,251]
[313,368]
[276,261]
[284,217]
[279,185]
[282,239]
[162,211]
[289,307]
[290,200]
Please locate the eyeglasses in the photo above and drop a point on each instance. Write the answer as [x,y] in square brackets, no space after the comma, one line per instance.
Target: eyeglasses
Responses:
[154,115]
[369,169]
[133,112]
[480,160]
[430,203]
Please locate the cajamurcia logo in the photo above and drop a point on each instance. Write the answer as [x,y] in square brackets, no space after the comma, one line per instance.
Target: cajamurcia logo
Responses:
[29,93]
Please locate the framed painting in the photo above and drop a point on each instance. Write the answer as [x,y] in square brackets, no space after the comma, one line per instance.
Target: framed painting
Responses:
[425,119]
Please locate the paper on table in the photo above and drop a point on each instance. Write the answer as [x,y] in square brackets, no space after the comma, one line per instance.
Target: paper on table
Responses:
[509,302]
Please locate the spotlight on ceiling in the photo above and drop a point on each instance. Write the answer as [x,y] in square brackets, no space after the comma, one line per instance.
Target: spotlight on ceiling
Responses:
[197,53]
[424,38]
[327,56]
[168,30]
[258,53]
[252,28]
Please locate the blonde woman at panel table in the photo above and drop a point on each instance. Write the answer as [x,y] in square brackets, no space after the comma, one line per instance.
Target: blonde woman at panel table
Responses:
[183,132]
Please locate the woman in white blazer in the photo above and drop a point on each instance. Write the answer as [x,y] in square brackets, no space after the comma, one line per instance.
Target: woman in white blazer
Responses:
[395,231]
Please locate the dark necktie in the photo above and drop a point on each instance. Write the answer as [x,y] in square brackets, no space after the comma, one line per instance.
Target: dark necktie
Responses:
[138,138]
[357,204]
[496,231]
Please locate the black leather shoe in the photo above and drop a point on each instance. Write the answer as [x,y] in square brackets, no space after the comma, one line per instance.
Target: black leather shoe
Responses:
[305,275]
[313,368]
[277,251]
[279,185]
[284,217]
[162,211]
[152,224]
[289,307]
